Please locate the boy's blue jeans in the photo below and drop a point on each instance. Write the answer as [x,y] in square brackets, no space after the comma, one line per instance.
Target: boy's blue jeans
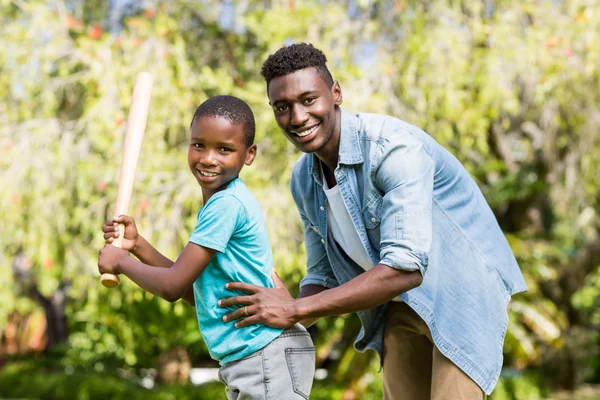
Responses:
[283,369]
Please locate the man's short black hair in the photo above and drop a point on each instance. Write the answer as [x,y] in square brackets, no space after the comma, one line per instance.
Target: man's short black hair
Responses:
[233,110]
[295,57]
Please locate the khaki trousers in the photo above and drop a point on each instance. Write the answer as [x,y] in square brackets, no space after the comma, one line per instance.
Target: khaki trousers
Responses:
[413,367]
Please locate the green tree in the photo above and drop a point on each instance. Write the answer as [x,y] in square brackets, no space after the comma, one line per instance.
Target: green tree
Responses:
[507,86]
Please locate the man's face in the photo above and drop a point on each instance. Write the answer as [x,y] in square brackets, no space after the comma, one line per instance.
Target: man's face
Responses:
[217,152]
[305,108]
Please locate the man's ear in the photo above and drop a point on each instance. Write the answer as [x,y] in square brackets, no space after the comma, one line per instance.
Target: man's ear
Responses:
[336,91]
[250,154]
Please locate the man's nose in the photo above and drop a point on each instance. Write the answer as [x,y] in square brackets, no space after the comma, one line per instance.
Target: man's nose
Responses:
[299,115]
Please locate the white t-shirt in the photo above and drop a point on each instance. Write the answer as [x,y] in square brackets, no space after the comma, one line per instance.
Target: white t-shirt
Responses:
[343,231]
[342,228]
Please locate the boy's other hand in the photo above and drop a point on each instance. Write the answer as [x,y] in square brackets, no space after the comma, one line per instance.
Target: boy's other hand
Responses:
[109,258]
[268,306]
[111,231]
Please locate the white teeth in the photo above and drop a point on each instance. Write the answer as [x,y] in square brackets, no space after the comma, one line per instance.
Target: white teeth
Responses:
[207,173]
[307,132]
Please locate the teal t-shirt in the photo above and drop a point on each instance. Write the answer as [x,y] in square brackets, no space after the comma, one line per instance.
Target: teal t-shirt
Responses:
[231,223]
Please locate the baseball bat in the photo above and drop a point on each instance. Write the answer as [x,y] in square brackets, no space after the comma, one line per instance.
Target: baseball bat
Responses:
[136,124]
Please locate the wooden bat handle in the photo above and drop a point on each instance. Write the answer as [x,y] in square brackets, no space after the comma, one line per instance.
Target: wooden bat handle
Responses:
[136,124]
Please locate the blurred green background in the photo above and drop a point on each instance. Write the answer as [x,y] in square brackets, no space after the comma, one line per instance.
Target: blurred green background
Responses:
[509,86]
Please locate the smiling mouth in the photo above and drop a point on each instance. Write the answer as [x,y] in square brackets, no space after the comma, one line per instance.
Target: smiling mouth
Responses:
[207,174]
[306,132]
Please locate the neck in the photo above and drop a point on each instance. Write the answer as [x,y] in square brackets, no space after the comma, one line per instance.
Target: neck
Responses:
[208,193]
[330,152]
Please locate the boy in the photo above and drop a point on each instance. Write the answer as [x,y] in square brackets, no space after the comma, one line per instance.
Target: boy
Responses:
[230,243]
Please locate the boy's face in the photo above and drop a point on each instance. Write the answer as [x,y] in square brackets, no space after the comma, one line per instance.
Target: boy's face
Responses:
[217,152]
[305,108]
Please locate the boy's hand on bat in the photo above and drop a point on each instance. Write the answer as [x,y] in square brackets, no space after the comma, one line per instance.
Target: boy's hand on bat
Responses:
[111,231]
[109,258]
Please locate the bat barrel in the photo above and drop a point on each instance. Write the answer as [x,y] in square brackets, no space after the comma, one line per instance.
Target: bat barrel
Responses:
[136,124]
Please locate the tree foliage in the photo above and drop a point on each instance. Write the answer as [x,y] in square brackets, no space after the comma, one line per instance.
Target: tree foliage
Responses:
[507,86]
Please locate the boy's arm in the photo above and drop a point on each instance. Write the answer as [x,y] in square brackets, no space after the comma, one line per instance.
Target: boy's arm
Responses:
[133,241]
[139,246]
[170,283]
[188,297]
[148,254]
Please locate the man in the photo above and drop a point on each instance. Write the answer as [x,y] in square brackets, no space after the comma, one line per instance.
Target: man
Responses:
[395,230]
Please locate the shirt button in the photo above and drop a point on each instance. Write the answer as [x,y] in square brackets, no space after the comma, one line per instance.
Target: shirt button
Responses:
[322,241]
[373,219]
[322,208]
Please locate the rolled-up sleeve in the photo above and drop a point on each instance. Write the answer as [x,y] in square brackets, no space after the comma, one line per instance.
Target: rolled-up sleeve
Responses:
[405,177]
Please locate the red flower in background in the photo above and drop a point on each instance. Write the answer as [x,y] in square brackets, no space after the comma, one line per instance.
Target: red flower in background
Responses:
[95,32]
[102,186]
[48,264]
[568,51]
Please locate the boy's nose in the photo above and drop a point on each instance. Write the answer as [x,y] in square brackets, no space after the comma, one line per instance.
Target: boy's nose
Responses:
[208,158]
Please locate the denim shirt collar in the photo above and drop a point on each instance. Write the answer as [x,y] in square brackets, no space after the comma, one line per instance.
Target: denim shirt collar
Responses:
[350,152]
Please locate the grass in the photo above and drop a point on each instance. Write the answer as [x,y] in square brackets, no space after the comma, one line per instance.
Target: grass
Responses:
[40,381]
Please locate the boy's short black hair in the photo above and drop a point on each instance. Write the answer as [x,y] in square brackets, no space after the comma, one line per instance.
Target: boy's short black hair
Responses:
[295,57]
[233,110]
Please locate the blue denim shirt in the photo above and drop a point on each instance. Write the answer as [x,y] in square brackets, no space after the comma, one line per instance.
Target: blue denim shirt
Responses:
[415,207]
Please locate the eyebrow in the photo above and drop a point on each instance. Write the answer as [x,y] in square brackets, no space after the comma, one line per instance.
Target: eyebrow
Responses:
[227,144]
[220,143]
[308,92]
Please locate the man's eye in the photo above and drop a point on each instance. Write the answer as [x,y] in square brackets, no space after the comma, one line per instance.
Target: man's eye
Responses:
[282,108]
[310,100]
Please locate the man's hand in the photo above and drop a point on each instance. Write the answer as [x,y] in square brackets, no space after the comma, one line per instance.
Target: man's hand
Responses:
[111,231]
[109,258]
[273,307]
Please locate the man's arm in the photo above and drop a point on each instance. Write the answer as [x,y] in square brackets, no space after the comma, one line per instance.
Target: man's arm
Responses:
[306,291]
[275,307]
[373,288]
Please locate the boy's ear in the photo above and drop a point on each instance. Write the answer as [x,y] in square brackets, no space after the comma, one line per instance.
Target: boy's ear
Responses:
[336,91]
[250,154]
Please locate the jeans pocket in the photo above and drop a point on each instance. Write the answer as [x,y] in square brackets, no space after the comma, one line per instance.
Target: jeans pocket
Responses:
[301,364]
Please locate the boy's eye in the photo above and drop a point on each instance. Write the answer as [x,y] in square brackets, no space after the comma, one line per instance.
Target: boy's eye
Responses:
[198,145]
[225,149]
